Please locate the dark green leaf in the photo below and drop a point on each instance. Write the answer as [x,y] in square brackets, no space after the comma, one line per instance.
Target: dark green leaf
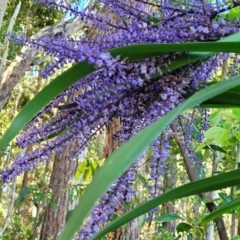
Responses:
[215,148]
[226,208]
[205,185]
[224,100]
[183,227]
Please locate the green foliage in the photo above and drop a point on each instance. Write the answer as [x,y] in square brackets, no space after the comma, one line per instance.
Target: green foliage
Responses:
[168,217]
[208,184]
[33,16]
[225,208]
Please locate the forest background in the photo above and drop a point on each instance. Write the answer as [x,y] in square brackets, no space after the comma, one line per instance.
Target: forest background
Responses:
[42,201]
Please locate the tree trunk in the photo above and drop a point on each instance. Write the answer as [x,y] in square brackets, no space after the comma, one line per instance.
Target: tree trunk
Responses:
[62,172]
[131,231]
[170,179]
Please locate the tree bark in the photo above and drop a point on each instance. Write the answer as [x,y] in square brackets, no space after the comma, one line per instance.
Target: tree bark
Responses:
[131,231]
[62,172]
[193,177]
[170,179]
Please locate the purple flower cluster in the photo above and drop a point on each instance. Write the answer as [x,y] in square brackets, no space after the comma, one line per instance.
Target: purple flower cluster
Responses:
[121,191]
[118,88]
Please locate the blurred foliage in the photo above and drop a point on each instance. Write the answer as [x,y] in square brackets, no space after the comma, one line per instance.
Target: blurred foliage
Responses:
[32,17]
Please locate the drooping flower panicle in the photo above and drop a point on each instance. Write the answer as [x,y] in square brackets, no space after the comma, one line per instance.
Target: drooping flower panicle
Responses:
[118,88]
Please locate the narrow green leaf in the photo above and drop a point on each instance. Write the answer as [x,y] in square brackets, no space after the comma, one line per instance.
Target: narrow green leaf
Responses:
[224,100]
[215,148]
[226,208]
[123,157]
[205,185]
[134,52]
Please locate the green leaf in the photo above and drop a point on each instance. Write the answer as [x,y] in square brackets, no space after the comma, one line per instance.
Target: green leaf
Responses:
[218,134]
[81,168]
[236,238]
[183,227]
[87,174]
[129,151]
[168,217]
[24,191]
[53,204]
[226,208]
[215,148]
[231,14]
[228,99]
[38,197]
[205,185]
[225,197]
[69,214]
[133,53]
[237,135]
[236,113]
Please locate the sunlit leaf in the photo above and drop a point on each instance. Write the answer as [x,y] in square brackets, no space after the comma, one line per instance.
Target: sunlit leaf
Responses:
[218,134]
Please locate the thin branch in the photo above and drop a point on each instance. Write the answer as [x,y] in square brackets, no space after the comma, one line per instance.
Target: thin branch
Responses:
[11,204]
[3,5]
[188,162]
[6,42]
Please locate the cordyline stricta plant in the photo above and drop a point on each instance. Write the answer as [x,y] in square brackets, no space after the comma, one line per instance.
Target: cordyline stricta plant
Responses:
[137,92]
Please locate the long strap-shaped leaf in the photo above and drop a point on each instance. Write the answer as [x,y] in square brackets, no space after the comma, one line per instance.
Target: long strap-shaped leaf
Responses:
[122,158]
[226,208]
[208,184]
[134,52]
